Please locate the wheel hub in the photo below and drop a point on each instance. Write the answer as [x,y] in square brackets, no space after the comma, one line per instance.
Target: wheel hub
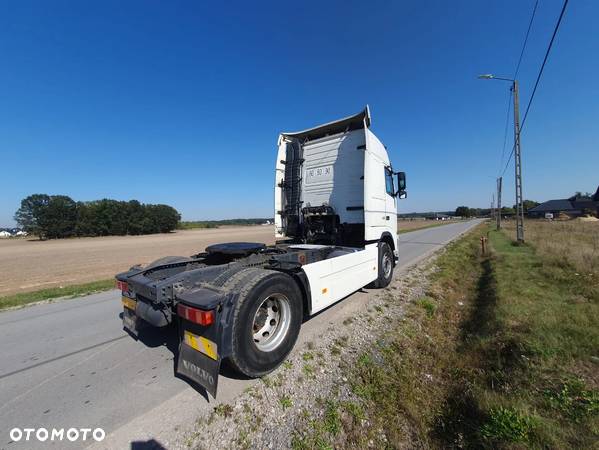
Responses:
[271,322]
[387,265]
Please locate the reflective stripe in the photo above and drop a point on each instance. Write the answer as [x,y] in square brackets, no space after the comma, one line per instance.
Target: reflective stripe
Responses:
[129,303]
[201,344]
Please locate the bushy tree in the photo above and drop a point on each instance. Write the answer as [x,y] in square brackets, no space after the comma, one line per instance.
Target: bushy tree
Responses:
[463,211]
[59,216]
[527,204]
[582,196]
[166,217]
[31,211]
[136,213]
[48,216]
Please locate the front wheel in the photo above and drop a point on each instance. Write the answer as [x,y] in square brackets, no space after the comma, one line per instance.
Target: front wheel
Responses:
[385,266]
[266,323]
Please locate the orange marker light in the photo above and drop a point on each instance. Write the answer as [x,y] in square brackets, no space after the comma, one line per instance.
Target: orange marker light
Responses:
[195,315]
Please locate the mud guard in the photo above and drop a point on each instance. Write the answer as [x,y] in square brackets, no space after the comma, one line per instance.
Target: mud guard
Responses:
[198,368]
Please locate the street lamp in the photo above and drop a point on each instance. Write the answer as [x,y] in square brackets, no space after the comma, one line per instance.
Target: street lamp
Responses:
[517,154]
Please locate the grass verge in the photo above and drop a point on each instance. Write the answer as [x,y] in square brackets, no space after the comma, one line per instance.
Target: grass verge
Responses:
[500,352]
[53,293]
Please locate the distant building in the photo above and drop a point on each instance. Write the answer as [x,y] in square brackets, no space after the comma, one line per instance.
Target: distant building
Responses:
[572,206]
[438,216]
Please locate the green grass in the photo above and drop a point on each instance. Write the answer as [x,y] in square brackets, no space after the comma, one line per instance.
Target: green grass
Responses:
[541,341]
[502,352]
[321,432]
[53,293]
[428,304]
[189,225]
[285,401]
[307,356]
[195,225]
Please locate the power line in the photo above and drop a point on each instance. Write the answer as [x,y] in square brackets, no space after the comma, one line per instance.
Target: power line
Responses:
[509,106]
[532,96]
[559,21]
[508,161]
[532,17]
[507,122]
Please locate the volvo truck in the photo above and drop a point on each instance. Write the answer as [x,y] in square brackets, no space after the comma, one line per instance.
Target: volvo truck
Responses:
[243,303]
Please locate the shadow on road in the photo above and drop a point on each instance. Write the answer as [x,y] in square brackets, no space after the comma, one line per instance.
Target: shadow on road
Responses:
[150,444]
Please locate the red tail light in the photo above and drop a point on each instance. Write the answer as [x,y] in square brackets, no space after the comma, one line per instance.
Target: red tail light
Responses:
[194,315]
[122,286]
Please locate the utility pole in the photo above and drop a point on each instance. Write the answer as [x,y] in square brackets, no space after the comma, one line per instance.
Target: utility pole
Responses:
[499,183]
[492,212]
[517,155]
[518,167]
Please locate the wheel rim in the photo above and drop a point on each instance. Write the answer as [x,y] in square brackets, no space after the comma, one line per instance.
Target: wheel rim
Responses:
[387,265]
[271,322]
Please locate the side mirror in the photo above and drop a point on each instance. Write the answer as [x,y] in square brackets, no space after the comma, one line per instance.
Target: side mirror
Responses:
[401,181]
[401,185]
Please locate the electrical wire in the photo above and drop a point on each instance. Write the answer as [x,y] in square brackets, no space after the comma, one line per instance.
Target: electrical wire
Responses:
[532,17]
[532,96]
[559,21]
[509,106]
[507,122]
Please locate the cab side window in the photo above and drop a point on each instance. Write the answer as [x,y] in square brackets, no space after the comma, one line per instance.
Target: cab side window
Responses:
[389,182]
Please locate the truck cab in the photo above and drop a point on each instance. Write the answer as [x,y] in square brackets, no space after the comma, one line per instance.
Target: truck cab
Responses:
[334,184]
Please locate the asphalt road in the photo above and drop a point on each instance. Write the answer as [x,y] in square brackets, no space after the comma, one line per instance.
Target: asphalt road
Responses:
[70,364]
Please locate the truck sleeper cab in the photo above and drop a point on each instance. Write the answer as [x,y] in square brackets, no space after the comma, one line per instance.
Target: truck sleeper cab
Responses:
[335,223]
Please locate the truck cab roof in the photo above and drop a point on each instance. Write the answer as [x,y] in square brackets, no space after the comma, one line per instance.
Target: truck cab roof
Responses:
[346,124]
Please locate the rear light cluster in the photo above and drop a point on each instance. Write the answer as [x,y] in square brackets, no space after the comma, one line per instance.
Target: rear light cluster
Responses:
[122,286]
[195,315]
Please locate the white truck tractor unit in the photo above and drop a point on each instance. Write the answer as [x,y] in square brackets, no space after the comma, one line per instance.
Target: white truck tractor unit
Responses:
[336,227]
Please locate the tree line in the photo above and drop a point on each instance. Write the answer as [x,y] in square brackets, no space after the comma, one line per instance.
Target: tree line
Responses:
[59,216]
[464,211]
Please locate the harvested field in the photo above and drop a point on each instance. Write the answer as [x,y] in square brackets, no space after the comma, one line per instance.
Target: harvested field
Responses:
[403,226]
[572,242]
[30,265]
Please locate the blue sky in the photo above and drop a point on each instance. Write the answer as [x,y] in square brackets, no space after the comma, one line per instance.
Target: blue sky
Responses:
[182,102]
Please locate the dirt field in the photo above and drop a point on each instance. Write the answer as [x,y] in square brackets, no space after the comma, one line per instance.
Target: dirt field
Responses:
[411,225]
[29,265]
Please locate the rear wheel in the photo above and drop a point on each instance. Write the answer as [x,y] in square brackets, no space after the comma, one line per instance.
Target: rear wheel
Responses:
[266,323]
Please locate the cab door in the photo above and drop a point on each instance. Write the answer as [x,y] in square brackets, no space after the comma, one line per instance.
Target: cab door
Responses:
[390,201]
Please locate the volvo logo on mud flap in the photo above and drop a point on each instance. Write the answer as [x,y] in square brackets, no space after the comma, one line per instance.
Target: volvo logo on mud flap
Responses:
[198,367]
[205,376]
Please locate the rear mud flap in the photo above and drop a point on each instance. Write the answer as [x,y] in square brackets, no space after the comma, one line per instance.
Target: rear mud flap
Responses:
[130,322]
[199,368]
